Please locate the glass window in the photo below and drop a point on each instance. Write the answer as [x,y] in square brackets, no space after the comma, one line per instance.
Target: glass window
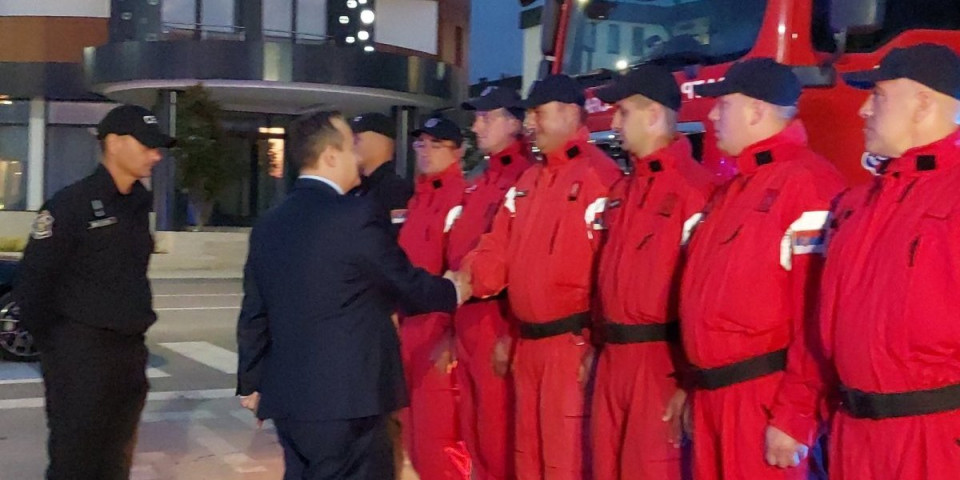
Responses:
[72,154]
[218,15]
[636,45]
[311,19]
[681,32]
[277,18]
[899,16]
[14,147]
[181,13]
[613,38]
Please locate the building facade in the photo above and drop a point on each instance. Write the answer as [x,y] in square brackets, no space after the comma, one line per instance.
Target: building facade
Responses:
[64,63]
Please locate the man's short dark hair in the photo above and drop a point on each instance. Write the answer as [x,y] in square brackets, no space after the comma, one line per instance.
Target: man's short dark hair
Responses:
[311,134]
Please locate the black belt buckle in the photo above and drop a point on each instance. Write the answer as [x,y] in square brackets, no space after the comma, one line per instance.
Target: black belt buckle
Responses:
[749,369]
[618,333]
[572,324]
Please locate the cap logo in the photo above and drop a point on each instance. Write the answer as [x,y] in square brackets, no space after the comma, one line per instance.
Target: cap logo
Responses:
[432,123]
[150,120]
[358,118]
[487,91]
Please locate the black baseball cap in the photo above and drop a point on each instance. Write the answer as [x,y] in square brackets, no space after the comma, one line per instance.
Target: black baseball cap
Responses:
[935,66]
[136,121]
[759,78]
[493,98]
[440,128]
[374,122]
[651,81]
[554,88]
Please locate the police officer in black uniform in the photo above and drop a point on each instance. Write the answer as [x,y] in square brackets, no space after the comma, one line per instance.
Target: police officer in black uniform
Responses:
[84,295]
[375,136]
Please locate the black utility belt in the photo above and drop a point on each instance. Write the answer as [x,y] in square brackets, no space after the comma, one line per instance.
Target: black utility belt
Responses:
[500,296]
[658,332]
[749,369]
[877,406]
[573,324]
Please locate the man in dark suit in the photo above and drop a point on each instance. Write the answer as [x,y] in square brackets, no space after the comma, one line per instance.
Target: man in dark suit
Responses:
[316,343]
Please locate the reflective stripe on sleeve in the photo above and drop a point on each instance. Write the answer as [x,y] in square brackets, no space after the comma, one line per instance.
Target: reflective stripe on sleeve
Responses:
[452,217]
[688,227]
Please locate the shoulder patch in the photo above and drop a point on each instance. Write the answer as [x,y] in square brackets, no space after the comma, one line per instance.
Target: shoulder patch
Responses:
[42,226]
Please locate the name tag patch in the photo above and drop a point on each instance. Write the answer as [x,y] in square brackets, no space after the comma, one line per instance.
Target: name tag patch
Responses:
[398,216]
[106,222]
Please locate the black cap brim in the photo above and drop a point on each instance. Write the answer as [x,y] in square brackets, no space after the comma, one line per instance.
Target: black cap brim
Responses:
[865,79]
[480,104]
[611,93]
[155,139]
[713,90]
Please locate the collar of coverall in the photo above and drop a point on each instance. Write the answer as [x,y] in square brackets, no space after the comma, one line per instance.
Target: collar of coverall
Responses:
[759,154]
[943,153]
[437,180]
[570,150]
[664,159]
[512,157]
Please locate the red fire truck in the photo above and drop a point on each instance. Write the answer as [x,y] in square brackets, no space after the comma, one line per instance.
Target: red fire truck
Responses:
[699,39]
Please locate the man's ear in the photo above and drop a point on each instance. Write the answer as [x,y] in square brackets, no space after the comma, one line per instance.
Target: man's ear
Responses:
[328,157]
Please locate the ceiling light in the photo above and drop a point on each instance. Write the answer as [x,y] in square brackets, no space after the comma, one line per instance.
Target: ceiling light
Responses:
[351,40]
[363,35]
[622,64]
[367,16]
[362,2]
[351,3]
[368,48]
[344,19]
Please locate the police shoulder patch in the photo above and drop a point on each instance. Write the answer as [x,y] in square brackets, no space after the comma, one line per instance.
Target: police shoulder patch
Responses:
[42,226]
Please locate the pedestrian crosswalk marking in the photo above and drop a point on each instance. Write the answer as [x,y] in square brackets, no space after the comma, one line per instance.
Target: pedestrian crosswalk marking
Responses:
[27,373]
[219,446]
[206,353]
[188,416]
[212,394]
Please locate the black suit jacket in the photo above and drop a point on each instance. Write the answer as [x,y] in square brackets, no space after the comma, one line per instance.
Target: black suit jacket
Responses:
[322,278]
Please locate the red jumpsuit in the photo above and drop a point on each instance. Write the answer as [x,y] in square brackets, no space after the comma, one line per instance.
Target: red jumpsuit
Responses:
[748,289]
[542,248]
[891,314]
[649,217]
[486,400]
[430,424]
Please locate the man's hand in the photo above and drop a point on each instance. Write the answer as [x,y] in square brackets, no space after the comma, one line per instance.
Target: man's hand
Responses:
[461,280]
[252,402]
[500,359]
[677,409]
[586,365]
[782,450]
[444,357]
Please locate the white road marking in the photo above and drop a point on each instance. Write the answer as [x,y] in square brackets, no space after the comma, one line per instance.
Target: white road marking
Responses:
[248,418]
[220,447]
[143,472]
[212,394]
[207,354]
[24,373]
[188,416]
[188,309]
[188,295]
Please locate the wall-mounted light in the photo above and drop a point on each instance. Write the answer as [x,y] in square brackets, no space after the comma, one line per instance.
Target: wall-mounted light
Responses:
[344,19]
[622,64]
[363,35]
[367,16]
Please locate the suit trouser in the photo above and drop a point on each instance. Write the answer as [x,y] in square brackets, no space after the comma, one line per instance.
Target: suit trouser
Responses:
[351,449]
[486,400]
[551,414]
[430,430]
[729,425]
[95,390]
[630,440]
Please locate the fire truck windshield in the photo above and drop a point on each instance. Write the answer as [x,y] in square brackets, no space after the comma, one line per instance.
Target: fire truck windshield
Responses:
[605,34]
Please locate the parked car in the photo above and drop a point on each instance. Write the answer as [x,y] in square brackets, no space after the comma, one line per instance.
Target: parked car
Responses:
[16,344]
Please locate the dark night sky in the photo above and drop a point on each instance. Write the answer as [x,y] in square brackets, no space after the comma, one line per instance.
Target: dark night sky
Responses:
[496,42]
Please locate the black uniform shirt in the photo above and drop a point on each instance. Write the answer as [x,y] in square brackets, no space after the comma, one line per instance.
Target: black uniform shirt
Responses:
[87,259]
[389,190]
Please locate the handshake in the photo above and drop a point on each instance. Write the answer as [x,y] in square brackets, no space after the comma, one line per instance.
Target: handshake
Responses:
[461,280]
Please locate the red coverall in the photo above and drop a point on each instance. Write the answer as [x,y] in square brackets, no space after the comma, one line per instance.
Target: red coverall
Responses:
[543,248]
[649,217]
[486,400]
[748,289]
[430,424]
[891,314]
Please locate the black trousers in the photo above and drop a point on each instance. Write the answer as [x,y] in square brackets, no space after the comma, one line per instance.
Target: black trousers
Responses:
[95,391]
[355,449]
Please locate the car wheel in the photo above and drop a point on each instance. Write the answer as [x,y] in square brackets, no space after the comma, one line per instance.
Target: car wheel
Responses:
[16,344]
